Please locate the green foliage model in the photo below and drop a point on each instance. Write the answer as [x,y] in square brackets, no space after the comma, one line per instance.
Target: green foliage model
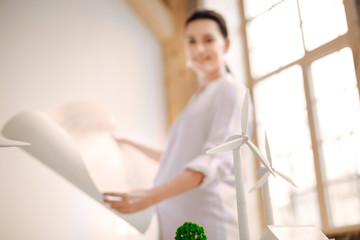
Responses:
[190,231]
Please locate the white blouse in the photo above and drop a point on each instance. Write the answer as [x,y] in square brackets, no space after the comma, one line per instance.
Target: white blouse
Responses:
[208,120]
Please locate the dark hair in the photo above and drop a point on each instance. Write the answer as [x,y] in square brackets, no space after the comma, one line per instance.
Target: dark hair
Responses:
[209,14]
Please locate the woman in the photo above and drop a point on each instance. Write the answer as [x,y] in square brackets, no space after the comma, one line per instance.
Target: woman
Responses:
[185,188]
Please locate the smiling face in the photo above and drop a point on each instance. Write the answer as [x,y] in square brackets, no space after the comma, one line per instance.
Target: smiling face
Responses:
[205,48]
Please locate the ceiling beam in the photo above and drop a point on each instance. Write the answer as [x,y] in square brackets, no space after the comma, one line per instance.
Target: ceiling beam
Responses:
[156,16]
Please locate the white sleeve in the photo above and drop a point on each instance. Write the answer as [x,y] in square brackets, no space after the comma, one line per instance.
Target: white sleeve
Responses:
[226,109]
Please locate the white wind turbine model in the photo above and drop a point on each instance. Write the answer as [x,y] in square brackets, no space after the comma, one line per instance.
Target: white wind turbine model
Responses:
[233,144]
[263,181]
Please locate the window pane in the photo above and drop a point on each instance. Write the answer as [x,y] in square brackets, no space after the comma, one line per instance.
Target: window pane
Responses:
[338,115]
[281,94]
[274,38]
[302,163]
[305,205]
[291,205]
[336,99]
[256,7]
[336,94]
[333,74]
[323,21]
[345,204]
[281,111]
[341,157]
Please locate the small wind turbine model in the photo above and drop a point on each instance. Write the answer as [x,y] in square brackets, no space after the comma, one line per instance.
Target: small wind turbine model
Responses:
[233,144]
[263,181]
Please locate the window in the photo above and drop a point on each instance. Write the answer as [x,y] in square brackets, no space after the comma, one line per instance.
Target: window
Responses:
[306,97]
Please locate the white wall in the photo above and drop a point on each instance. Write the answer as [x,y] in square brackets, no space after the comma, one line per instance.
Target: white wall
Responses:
[56,51]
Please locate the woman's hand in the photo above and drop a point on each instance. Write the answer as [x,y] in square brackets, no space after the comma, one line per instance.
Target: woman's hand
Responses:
[129,202]
[138,200]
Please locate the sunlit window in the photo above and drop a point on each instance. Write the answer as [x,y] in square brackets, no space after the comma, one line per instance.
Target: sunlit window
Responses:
[274,38]
[323,20]
[283,115]
[306,97]
[336,103]
[256,7]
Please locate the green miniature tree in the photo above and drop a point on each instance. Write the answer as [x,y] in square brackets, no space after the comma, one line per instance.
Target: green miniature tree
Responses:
[190,231]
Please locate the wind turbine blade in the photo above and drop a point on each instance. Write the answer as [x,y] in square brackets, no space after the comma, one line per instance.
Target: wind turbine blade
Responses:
[286,178]
[233,137]
[260,182]
[268,152]
[245,113]
[260,156]
[227,146]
